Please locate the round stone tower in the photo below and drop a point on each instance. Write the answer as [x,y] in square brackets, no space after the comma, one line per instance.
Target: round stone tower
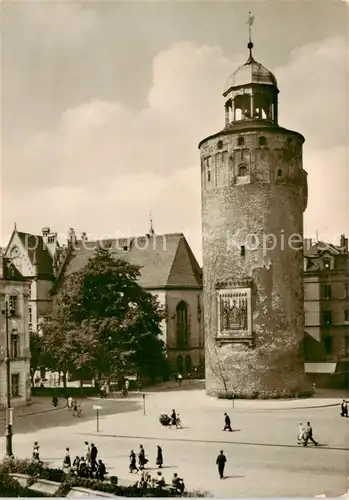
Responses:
[254,193]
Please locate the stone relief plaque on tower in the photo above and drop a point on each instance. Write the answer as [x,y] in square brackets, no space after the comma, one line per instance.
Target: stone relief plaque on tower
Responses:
[234,312]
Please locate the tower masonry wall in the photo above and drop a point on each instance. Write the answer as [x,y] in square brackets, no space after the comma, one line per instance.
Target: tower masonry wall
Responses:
[253,198]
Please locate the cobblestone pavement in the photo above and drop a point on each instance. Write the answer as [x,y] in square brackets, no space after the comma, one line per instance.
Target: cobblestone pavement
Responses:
[264,459]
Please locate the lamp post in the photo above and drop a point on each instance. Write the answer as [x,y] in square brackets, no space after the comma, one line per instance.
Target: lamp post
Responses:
[7,312]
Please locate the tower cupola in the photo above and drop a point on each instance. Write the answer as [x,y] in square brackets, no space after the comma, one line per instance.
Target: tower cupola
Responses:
[251,92]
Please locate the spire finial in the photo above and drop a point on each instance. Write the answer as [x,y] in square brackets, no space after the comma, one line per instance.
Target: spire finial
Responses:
[250,22]
[15,228]
[151,229]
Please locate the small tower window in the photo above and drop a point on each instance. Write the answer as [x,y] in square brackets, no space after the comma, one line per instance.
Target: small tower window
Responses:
[241,141]
[242,251]
[220,145]
[279,172]
[208,175]
[242,171]
[262,141]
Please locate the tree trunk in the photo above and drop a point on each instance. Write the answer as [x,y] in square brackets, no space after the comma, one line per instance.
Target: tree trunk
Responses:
[64,378]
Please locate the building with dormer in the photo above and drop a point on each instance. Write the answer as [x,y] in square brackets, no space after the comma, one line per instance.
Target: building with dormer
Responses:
[326,305]
[14,289]
[168,269]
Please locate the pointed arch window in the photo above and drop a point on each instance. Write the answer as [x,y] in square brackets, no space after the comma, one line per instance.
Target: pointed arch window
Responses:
[182,325]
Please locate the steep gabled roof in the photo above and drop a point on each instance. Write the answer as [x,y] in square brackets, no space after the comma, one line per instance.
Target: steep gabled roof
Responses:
[155,254]
[37,252]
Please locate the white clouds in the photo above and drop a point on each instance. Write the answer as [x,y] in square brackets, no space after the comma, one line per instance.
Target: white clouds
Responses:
[110,166]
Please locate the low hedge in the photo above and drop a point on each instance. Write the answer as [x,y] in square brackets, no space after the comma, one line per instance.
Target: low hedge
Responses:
[263,395]
[38,470]
[9,487]
[62,392]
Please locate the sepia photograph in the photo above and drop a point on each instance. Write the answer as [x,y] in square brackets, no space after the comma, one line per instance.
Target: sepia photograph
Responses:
[174,262]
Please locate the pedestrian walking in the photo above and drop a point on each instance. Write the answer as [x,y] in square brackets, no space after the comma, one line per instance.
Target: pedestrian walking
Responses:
[173,418]
[133,465]
[221,461]
[93,455]
[69,403]
[87,451]
[344,408]
[227,423]
[36,448]
[178,422]
[309,435]
[159,457]
[67,459]
[141,458]
[301,433]
[180,377]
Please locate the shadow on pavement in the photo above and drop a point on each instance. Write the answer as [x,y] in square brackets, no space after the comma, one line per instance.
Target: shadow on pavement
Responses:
[62,417]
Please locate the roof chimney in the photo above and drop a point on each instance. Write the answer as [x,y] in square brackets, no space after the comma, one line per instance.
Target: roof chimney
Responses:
[45,231]
[344,243]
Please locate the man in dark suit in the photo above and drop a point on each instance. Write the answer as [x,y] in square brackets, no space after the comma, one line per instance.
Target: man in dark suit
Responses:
[227,423]
[221,461]
[309,435]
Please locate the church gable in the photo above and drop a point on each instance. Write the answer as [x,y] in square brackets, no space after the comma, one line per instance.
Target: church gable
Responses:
[185,269]
[29,254]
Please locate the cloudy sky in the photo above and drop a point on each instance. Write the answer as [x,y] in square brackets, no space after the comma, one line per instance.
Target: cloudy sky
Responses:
[104,104]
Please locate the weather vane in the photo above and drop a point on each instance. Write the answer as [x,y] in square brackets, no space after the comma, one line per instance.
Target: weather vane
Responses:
[250,22]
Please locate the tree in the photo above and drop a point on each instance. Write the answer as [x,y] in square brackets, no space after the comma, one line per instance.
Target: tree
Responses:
[104,322]
[36,353]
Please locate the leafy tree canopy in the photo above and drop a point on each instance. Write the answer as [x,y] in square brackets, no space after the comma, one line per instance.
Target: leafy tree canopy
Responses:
[103,322]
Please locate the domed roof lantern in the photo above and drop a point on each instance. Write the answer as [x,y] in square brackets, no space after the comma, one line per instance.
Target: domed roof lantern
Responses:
[252,90]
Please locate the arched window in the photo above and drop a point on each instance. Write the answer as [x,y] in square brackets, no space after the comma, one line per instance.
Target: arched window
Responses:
[16,258]
[179,364]
[279,172]
[187,364]
[242,171]
[182,325]
[241,141]
[262,141]
[220,145]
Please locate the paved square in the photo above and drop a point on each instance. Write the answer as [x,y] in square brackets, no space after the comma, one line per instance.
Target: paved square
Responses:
[264,459]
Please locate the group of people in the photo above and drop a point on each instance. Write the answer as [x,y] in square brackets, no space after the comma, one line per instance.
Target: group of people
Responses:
[142,460]
[86,466]
[175,420]
[74,407]
[147,481]
[305,434]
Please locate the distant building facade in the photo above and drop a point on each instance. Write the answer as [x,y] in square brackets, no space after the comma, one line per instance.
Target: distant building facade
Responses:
[326,306]
[168,269]
[14,290]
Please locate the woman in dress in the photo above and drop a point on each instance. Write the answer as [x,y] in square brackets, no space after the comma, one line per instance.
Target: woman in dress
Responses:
[67,459]
[141,457]
[133,465]
[159,458]
[301,432]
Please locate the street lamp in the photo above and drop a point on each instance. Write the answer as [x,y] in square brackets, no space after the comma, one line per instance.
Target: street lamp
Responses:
[8,312]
